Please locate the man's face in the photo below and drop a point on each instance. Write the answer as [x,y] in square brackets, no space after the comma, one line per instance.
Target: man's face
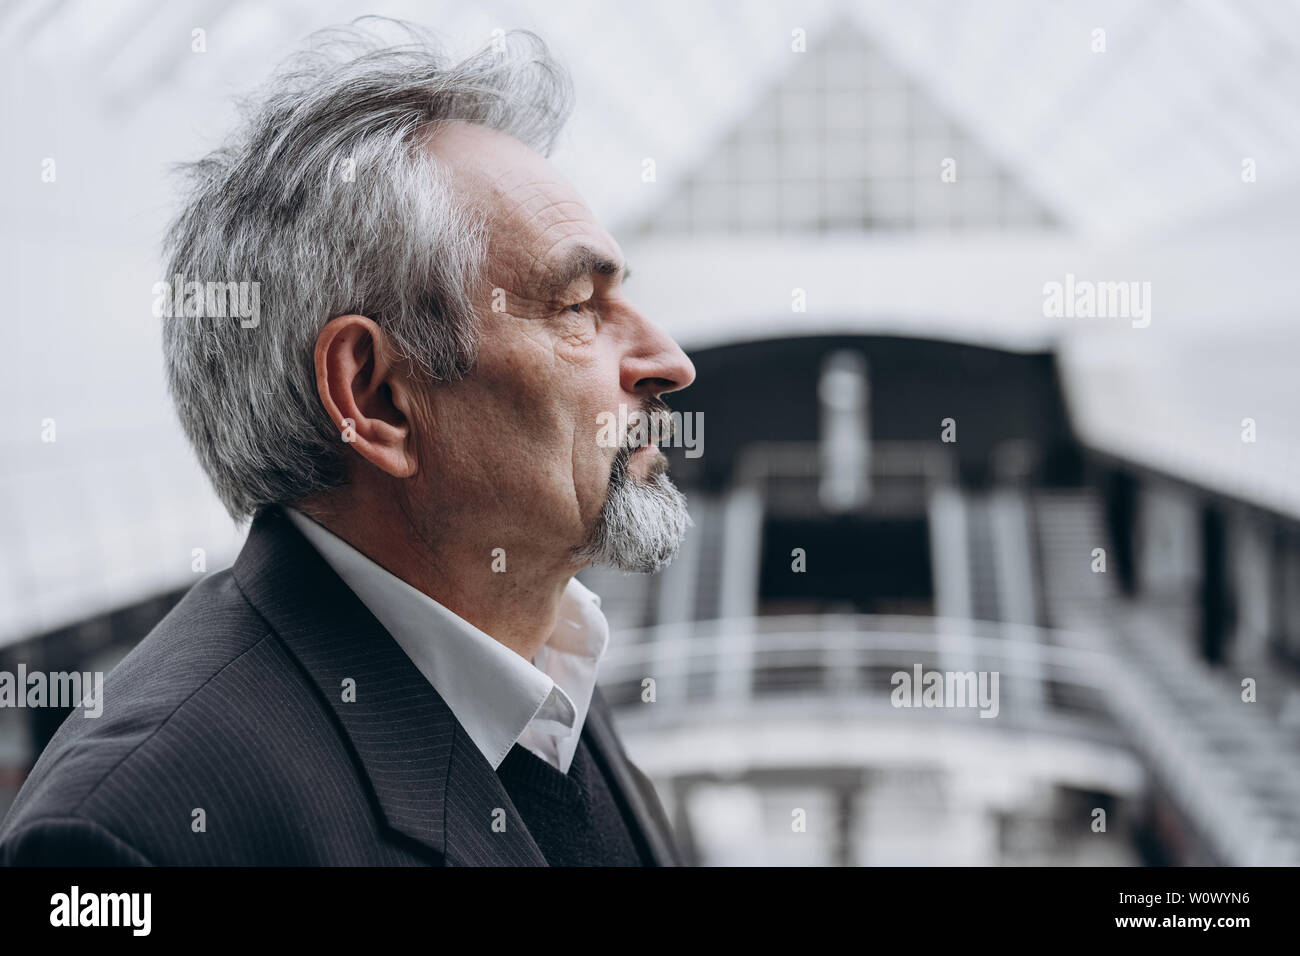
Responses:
[515,445]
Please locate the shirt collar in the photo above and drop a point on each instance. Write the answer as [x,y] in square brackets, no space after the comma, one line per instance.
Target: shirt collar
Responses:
[494,692]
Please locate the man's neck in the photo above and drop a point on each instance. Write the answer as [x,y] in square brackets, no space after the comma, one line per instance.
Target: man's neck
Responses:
[507,596]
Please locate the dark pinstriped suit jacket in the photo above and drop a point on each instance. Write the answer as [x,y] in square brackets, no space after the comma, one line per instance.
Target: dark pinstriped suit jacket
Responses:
[233,706]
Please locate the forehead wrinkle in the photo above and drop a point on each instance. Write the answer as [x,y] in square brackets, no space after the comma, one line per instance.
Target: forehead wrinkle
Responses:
[512,180]
[574,219]
[528,262]
[577,216]
[522,218]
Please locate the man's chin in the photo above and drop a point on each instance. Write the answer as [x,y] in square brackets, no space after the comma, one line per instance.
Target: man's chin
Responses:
[642,524]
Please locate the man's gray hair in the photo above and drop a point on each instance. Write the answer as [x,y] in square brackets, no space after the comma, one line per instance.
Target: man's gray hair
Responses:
[324,198]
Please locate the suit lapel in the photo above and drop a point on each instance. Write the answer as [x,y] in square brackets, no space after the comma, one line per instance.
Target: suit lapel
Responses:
[430,781]
[637,796]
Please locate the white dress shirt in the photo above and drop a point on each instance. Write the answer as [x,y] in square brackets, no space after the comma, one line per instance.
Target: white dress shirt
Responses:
[498,697]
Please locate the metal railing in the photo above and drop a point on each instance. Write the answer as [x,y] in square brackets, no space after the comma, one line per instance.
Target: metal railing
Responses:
[852,659]
[1064,683]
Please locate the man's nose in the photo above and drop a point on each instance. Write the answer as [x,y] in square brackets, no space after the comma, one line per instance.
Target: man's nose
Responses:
[658,365]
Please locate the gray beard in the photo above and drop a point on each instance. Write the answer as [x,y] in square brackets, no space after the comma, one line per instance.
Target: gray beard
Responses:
[642,524]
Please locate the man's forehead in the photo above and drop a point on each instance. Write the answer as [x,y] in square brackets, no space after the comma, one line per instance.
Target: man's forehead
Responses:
[500,171]
[531,208]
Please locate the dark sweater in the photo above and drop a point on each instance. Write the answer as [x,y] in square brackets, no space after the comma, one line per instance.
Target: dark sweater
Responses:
[574,817]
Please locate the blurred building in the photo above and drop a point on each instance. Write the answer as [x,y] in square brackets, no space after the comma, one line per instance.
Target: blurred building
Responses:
[909,456]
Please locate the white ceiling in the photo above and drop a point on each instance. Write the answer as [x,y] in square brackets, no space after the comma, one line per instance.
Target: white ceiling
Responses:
[1144,137]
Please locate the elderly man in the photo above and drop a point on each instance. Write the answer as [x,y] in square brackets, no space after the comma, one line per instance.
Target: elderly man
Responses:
[400,667]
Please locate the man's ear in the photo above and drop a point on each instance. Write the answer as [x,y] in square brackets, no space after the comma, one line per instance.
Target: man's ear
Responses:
[366,393]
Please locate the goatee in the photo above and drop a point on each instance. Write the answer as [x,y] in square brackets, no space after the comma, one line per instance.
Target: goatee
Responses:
[643,521]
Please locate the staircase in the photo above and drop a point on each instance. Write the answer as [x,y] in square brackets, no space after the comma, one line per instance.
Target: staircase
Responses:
[1069,526]
[1228,767]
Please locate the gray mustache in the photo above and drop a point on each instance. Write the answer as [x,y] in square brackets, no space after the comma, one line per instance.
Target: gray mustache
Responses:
[658,424]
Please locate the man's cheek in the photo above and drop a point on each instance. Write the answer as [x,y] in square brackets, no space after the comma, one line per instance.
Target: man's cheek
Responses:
[575,346]
[598,471]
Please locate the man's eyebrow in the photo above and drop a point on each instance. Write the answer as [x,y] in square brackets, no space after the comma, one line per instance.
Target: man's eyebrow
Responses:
[578,262]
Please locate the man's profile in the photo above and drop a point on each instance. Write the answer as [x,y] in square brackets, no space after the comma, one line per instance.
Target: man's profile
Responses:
[400,667]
